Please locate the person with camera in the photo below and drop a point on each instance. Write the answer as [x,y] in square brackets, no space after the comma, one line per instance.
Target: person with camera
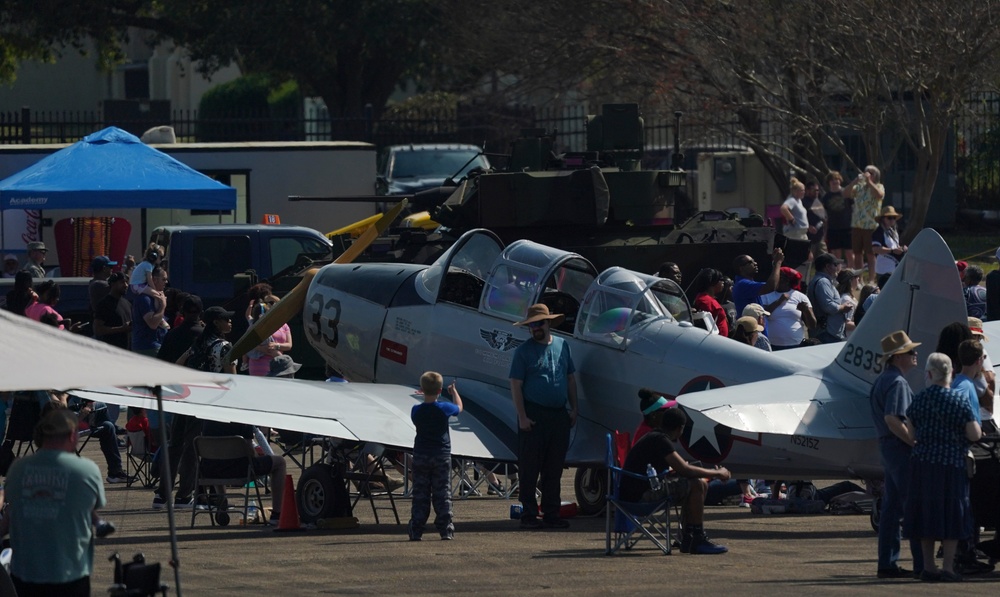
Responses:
[867,193]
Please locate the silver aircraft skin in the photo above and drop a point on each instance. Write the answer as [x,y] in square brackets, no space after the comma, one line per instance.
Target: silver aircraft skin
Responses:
[802,413]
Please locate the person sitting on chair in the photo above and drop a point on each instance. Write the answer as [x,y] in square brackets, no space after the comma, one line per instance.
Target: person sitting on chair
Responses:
[685,486]
[262,465]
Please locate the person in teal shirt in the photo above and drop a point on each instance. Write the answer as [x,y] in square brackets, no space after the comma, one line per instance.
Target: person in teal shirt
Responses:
[542,384]
[52,495]
[970,356]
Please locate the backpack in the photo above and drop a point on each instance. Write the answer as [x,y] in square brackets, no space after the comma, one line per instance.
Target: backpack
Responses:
[803,490]
[200,353]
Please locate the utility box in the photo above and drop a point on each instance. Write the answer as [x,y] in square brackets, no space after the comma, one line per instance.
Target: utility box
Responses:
[733,180]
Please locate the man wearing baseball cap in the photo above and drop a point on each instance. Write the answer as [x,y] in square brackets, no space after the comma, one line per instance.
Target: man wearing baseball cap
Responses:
[100,267]
[10,265]
[890,397]
[542,383]
[36,260]
[758,313]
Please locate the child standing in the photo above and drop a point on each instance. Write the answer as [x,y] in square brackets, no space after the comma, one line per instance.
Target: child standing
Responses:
[141,279]
[432,458]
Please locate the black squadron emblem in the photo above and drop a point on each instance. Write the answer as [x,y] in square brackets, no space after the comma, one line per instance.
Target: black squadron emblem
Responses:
[499,339]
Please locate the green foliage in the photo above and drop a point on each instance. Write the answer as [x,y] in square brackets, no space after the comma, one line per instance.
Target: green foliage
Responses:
[255,97]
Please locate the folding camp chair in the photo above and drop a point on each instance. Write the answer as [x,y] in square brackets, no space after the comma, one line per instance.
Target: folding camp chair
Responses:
[626,523]
[25,412]
[138,457]
[223,448]
[469,478]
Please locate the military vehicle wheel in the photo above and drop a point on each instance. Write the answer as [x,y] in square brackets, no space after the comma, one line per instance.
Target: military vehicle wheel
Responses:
[591,486]
[315,493]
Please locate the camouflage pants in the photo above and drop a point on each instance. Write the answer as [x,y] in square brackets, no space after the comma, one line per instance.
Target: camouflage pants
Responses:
[431,481]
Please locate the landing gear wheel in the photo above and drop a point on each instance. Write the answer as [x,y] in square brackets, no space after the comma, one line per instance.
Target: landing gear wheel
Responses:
[316,494]
[876,512]
[591,485]
[222,518]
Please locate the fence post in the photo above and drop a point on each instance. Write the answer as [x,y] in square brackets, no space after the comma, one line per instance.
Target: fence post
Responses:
[25,125]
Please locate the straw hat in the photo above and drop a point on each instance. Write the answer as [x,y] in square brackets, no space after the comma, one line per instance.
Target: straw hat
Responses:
[889,212]
[896,343]
[976,326]
[540,312]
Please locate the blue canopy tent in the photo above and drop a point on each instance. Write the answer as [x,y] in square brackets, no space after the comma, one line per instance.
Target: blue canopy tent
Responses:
[113,169]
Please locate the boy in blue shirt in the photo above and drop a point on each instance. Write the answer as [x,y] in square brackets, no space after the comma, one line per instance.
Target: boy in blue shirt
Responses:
[432,458]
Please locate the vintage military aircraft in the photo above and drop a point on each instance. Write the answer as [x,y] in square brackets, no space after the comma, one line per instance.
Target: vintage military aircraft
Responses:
[794,414]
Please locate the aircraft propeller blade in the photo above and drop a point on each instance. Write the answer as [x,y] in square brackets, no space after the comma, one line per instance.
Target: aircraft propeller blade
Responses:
[293,302]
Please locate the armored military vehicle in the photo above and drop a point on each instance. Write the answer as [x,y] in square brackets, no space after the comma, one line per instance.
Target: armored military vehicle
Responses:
[598,203]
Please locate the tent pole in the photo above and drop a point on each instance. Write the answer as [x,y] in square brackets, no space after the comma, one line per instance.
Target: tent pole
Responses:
[167,476]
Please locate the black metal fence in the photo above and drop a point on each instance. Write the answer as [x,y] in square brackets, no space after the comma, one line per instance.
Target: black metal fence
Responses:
[977,154]
[977,133]
[492,127]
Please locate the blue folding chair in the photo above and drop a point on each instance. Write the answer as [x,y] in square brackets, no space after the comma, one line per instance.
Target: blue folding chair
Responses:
[627,523]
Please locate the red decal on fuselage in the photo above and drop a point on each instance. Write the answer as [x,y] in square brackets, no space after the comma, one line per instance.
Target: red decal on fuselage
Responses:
[394,351]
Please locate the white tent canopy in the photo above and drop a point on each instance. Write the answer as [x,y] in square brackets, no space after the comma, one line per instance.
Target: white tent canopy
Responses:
[36,356]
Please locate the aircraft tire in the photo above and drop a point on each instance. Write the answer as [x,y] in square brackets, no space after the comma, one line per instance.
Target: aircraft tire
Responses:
[591,485]
[315,494]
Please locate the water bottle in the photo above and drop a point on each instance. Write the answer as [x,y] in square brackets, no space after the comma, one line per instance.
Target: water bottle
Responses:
[252,513]
[654,479]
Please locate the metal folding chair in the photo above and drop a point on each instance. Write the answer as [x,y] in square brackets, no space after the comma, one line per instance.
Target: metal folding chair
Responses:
[233,448]
[365,474]
[627,523]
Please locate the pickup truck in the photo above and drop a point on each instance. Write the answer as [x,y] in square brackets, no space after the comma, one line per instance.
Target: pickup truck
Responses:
[218,262]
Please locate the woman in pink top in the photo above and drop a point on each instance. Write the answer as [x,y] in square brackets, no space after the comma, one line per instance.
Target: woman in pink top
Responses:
[280,342]
[48,296]
[706,286]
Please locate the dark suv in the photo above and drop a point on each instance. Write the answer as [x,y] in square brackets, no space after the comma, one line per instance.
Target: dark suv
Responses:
[408,169]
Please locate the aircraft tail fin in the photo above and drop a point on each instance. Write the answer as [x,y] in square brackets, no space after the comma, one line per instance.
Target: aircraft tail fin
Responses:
[923,295]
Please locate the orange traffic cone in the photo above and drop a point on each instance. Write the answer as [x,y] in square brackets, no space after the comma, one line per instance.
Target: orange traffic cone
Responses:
[289,520]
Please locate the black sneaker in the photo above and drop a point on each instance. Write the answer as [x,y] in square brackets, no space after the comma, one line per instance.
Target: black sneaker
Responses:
[531,523]
[448,535]
[703,546]
[556,523]
[103,528]
[412,533]
[159,503]
[895,572]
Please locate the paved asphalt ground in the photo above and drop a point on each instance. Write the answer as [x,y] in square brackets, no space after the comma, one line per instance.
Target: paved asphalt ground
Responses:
[796,555]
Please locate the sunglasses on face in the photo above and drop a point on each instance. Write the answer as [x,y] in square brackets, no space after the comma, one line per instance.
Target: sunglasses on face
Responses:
[537,324]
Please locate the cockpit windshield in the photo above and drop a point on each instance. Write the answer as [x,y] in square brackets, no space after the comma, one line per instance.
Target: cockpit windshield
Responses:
[621,299]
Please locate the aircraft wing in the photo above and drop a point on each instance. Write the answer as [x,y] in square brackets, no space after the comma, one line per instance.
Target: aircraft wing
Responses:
[794,405]
[378,413]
